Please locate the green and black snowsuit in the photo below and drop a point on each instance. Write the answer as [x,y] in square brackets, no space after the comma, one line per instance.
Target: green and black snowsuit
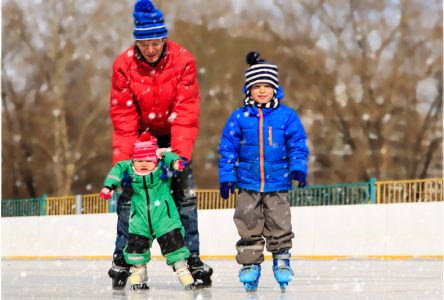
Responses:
[153,213]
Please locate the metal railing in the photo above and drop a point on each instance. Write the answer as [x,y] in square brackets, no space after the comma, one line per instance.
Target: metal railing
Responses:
[403,191]
[371,192]
[210,199]
[24,207]
[61,205]
[92,204]
[339,194]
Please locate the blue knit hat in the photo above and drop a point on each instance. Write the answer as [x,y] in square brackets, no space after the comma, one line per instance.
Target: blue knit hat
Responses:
[148,21]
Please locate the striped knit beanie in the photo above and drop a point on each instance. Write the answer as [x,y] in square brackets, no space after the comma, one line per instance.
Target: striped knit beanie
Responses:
[145,148]
[261,71]
[148,21]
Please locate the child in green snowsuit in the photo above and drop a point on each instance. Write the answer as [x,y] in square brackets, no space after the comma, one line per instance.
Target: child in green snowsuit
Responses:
[153,211]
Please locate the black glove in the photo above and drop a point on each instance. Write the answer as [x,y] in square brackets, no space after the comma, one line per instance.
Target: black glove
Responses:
[225,188]
[301,177]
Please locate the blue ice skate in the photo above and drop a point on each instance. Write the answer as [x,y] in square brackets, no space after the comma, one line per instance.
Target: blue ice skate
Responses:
[281,268]
[249,275]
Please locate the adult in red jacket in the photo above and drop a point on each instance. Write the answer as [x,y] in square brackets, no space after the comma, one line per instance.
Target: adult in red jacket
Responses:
[154,88]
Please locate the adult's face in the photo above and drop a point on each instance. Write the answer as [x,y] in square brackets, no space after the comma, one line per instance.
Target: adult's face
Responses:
[151,49]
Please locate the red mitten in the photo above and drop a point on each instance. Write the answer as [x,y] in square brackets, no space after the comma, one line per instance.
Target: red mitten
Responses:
[180,164]
[106,193]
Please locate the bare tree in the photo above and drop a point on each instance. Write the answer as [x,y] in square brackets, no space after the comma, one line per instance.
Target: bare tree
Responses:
[55,86]
[362,100]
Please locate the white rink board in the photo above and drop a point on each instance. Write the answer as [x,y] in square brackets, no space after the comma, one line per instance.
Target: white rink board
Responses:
[414,229]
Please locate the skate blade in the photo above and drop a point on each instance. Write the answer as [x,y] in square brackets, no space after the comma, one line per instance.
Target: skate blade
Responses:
[118,287]
[283,287]
[201,285]
[189,287]
[250,286]
[142,286]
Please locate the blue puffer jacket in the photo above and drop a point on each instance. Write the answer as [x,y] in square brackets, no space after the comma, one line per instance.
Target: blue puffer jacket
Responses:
[260,147]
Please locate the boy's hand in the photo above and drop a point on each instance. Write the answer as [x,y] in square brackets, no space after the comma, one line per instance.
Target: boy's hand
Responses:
[301,177]
[225,188]
[106,193]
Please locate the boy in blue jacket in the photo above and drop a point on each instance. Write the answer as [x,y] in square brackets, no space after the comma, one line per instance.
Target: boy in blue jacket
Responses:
[263,148]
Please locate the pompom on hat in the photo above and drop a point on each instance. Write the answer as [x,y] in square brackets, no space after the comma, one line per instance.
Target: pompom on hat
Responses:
[145,148]
[148,21]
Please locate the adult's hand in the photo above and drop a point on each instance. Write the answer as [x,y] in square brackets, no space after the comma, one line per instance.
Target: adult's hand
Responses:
[180,164]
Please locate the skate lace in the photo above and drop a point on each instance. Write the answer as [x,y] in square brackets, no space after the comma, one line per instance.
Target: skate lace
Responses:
[183,272]
[135,270]
[283,268]
[248,268]
[118,269]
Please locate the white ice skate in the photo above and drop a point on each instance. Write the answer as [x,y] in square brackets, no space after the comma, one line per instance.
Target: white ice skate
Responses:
[183,273]
[139,278]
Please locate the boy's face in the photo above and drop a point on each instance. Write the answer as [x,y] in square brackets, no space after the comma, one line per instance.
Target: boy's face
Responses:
[262,92]
[144,166]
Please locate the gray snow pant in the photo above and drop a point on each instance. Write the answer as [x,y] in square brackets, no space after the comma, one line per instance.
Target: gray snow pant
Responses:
[258,216]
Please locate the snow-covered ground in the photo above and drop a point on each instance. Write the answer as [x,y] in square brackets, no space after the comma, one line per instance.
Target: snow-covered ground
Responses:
[314,279]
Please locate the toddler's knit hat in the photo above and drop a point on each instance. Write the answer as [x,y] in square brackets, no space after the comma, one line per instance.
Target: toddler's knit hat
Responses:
[260,71]
[148,21]
[145,148]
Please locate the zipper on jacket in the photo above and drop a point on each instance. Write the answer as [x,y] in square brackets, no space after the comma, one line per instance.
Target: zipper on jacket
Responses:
[148,205]
[168,209]
[261,149]
[270,135]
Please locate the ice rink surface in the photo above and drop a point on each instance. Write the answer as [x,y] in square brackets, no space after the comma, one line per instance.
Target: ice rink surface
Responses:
[314,279]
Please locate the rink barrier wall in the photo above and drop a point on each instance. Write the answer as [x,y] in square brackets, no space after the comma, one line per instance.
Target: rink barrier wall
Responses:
[385,231]
[371,192]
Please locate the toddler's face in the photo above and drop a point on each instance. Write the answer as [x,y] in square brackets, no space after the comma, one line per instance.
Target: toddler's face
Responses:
[262,92]
[144,166]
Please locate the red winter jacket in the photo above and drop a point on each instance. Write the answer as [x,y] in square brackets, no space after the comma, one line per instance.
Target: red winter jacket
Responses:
[164,99]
